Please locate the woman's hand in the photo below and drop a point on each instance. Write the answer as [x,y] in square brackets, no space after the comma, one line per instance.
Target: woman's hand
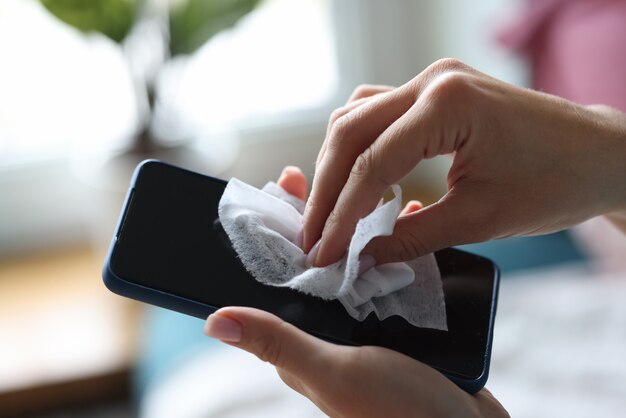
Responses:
[346,381]
[523,163]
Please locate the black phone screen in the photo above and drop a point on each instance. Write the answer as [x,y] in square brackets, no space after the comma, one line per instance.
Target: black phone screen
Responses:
[169,240]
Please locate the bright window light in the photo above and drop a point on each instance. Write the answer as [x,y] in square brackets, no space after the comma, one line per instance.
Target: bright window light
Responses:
[277,60]
[57,87]
[60,88]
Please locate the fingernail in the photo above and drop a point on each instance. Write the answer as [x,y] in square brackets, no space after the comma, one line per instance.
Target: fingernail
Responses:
[299,237]
[312,255]
[283,174]
[223,328]
[366,262]
[290,169]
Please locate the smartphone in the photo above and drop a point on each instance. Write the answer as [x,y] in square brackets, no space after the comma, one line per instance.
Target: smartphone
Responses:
[169,250]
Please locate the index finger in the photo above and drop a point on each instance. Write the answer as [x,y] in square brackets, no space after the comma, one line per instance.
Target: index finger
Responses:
[350,135]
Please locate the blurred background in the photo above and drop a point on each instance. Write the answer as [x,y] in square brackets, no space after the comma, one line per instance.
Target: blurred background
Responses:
[88,88]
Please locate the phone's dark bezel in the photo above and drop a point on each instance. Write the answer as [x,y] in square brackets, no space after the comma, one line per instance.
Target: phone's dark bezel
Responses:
[127,288]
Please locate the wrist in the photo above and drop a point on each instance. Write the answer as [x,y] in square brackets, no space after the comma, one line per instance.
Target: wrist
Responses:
[610,144]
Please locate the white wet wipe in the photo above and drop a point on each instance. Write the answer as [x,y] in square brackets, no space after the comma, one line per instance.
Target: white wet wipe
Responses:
[262,226]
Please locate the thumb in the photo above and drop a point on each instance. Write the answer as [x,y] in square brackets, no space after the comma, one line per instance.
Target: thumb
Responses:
[432,228]
[271,339]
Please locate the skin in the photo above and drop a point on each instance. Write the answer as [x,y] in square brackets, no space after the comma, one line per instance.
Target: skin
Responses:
[524,163]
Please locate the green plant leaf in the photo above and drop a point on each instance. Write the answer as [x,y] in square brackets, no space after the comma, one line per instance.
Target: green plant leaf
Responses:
[113,18]
[193,22]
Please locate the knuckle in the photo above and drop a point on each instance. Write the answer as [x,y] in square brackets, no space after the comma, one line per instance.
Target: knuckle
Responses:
[409,246]
[365,169]
[342,126]
[315,208]
[449,88]
[333,218]
[443,65]
[364,90]
[436,70]
[313,201]
[336,114]
[363,165]
[339,225]
[267,348]
[341,131]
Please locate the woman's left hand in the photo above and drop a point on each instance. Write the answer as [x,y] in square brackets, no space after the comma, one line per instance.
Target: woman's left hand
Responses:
[348,381]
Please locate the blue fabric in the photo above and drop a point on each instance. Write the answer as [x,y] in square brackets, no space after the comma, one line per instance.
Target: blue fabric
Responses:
[168,338]
[514,254]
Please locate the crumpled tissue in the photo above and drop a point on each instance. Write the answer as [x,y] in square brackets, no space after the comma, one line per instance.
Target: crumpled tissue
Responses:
[262,226]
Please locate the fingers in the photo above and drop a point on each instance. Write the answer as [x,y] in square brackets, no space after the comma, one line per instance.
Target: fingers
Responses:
[435,124]
[411,206]
[271,339]
[293,180]
[348,137]
[367,180]
[361,95]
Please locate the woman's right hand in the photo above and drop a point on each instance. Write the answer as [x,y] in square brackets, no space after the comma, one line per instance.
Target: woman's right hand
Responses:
[524,163]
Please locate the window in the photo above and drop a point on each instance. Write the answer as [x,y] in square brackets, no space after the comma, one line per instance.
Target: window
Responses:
[254,97]
[68,99]
[61,88]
